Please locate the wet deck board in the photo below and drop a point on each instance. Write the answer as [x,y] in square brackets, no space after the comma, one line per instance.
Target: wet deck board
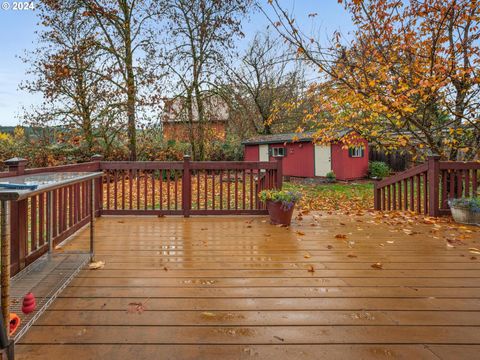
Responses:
[237,287]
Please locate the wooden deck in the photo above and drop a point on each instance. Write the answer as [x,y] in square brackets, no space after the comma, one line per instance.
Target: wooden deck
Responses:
[239,288]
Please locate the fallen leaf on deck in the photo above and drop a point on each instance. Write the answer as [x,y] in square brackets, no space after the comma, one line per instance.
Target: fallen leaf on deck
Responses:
[204,229]
[301,233]
[340,236]
[377,266]
[351,256]
[311,269]
[208,314]
[329,247]
[136,307]
[307,256]
[95,265]
[279,338]
[165,268]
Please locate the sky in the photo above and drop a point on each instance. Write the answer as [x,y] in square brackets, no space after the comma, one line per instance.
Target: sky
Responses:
[17,34]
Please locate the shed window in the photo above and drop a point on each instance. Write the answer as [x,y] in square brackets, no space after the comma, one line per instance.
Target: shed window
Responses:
[356,151]
[278,151]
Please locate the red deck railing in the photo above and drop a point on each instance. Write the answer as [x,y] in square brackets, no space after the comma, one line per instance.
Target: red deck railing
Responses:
[134,188]
[428,187]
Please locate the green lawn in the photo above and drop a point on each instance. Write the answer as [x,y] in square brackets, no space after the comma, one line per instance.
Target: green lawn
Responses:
[331,197]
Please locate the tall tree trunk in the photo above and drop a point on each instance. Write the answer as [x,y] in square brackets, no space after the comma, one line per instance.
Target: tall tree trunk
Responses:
[131,94]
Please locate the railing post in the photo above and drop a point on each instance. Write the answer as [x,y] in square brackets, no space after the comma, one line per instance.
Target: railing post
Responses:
[18,221]
[377,196]
[97,158]
[279,179]
[433,174]
[16,165]
[186,187]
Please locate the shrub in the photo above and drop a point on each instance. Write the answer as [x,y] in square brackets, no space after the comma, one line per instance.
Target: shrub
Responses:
[331,177]
[472,204]
[378,169]
[287,198]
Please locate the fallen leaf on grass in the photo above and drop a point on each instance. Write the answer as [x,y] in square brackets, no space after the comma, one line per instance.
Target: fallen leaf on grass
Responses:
[95,265]
[377,266]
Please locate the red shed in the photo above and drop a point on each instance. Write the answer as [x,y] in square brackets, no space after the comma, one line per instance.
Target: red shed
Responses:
[303,158]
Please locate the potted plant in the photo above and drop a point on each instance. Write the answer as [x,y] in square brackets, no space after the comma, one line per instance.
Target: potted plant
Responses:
[465,210]
[280,205]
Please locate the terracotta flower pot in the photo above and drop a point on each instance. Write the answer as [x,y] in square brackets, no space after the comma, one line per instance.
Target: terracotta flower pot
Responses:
[278,214]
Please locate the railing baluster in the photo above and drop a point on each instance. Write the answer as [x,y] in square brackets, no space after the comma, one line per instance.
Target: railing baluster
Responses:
[474,183]
[33,221]
[198,189]
[243,192]
[236,189]
[251,189]
[228,189]
[123,190]
[221,189]
[419,200]
[213,189]
[467,182]
[412,205]
[168,189]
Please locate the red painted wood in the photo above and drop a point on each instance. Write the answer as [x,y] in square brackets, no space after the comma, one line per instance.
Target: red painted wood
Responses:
[251,153]
[115,190]
[474,183]
[153,190]
[55,212]
[168,189]
[467,182]
[412,194]
[244,196]
[418,193]
[221,189]
[346,167]
[33,222]
[213,190]
[123,190]
[41,219]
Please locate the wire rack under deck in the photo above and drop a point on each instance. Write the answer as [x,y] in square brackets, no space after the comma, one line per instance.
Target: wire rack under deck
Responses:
[45,278]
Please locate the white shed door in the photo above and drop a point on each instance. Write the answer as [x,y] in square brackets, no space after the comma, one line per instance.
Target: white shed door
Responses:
[263,153]
[323,160]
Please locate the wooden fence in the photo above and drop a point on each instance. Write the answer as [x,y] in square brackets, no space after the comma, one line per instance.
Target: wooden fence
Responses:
[134,188]
[428,187]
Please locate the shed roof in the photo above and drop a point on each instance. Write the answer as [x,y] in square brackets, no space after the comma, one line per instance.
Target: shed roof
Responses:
[286,137]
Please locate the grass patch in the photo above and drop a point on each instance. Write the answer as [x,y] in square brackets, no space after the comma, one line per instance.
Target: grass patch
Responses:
[332,197]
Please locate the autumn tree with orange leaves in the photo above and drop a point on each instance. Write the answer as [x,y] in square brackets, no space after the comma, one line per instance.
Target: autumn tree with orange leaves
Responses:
[407,77]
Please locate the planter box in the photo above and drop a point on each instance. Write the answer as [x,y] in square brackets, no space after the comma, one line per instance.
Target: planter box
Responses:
[278,215]
[465,216]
